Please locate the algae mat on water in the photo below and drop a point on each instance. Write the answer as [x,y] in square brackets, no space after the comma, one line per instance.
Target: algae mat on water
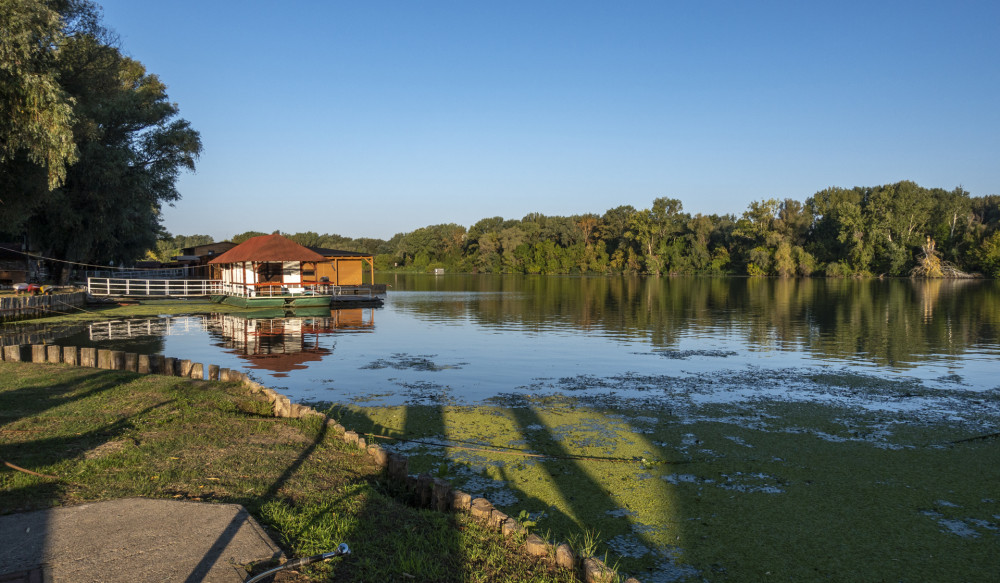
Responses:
[734,492]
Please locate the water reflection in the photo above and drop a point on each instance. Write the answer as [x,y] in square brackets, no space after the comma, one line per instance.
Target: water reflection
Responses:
[140,327]
[899,323]
[280,344]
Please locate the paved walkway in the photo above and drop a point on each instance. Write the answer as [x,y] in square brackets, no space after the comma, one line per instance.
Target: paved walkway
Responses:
[130,540]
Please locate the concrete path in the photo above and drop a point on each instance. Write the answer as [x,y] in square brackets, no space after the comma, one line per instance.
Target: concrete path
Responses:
[130,540]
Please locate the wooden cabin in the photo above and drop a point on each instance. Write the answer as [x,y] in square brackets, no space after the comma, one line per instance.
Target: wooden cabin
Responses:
[345,268]
[197,258]
[269,266]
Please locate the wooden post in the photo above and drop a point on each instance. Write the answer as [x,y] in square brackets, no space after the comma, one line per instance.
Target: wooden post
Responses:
[71,355]
[185,370]
[12,353]
[88,357]
[197,371]
[54,353]
[131,362]
[213,372]
[156,364]
[117,360]
[38,353]
[169,366]
[142,364]
[104,358]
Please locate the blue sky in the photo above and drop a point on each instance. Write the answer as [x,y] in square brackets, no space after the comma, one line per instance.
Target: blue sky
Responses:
[371,118]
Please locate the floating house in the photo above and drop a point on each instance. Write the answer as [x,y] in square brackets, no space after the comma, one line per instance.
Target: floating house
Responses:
[270,271]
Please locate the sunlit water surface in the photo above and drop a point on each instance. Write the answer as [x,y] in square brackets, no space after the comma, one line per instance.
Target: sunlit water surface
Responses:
[464,339]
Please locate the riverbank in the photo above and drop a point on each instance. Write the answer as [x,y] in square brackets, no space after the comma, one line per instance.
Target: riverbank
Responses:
[91,435]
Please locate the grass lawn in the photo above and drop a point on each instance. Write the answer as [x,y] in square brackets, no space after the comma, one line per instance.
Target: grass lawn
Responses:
[113,434]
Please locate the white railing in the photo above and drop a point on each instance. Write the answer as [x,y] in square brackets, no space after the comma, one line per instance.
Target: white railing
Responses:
[173,288]
[268,289]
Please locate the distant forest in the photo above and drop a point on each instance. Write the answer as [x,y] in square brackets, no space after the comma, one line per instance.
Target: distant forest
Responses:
[899,229]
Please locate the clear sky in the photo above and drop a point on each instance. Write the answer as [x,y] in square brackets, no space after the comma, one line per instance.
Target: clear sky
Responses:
[369,118]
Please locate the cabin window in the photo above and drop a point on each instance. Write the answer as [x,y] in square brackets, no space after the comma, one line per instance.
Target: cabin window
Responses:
[270,272]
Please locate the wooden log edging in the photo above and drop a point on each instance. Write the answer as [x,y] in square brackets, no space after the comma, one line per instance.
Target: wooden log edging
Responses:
[425,490]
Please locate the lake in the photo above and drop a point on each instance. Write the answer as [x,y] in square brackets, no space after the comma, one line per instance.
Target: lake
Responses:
[466,339]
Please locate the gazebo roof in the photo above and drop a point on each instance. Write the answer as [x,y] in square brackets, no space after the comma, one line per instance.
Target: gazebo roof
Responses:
[268,248]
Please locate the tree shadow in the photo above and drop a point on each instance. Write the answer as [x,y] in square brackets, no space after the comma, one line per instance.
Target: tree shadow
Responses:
[34,399]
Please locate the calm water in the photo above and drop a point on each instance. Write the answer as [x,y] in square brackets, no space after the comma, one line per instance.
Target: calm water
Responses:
[468,338]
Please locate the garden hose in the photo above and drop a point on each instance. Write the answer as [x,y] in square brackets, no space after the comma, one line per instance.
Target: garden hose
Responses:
[302,562]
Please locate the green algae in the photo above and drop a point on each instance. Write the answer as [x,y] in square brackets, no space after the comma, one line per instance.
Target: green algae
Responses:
[747,491]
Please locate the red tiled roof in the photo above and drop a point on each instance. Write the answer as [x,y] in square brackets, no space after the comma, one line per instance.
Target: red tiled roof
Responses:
[285,362]
[268,248]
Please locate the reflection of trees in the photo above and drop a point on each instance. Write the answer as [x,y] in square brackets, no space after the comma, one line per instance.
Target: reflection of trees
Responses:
[890,321]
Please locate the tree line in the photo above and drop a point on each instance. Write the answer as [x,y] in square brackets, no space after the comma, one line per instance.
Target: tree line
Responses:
[898,229]
[90,145]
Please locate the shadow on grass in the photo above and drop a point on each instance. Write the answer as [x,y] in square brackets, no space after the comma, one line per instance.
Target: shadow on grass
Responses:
[209,443]
[33,401]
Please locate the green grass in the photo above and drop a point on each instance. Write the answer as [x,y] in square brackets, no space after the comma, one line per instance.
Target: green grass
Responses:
[112,434]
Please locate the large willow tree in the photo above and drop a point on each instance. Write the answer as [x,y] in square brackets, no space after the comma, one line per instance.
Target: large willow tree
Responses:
[128,143]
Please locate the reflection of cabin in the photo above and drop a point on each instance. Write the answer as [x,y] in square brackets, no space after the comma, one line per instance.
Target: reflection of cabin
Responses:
[281,345]
[346,268]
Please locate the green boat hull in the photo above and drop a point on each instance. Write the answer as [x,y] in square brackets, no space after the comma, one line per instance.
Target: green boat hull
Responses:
[274,301]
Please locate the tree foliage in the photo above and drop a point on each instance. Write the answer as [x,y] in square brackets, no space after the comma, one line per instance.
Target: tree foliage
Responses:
[837,232]
[36,125]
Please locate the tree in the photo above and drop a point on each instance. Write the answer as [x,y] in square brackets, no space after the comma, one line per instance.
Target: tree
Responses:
[784,263]
[132,149]
[758,235]
[988,255]
[168,246]
[613,226]
[588,224]
[245,236]
[37,119]
[793,222]
[654,231]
